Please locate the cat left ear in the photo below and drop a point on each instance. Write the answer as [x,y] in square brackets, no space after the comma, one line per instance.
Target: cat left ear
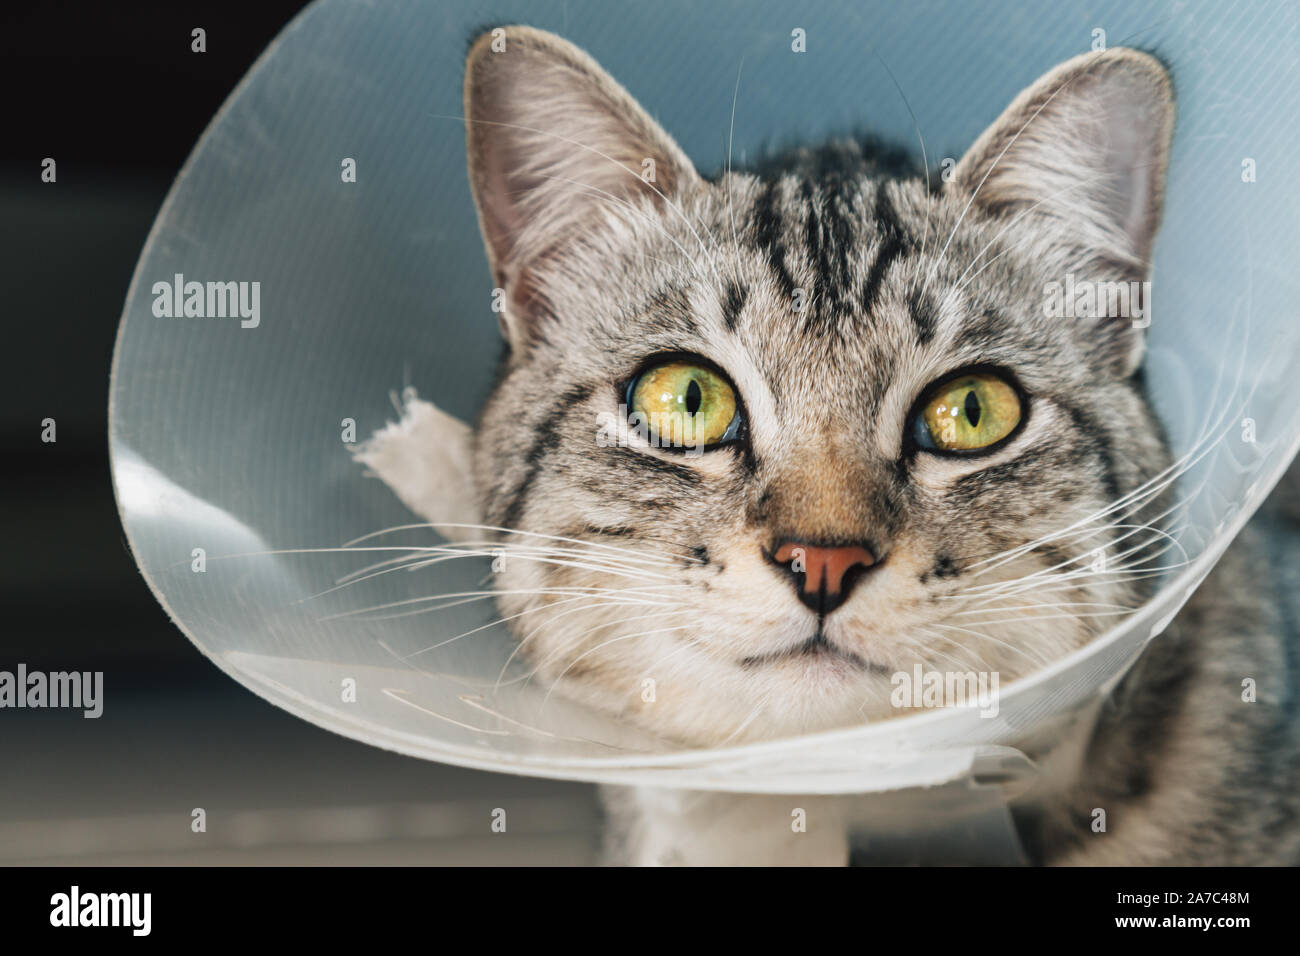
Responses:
[1082,155]
[555,145]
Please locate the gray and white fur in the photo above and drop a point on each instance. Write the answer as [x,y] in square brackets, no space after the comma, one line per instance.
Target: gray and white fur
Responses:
[832,293]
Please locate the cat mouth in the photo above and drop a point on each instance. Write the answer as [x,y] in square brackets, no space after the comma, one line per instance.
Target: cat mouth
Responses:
[815,648]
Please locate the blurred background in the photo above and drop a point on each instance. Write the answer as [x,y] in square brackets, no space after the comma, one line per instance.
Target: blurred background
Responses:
[115,96]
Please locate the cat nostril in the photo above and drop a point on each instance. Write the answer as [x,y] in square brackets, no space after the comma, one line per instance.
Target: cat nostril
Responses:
[824,575]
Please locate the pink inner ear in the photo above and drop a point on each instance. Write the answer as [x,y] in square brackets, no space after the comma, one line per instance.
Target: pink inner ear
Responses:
[555,148]
[1129,155]
[502,220]
[1086,146]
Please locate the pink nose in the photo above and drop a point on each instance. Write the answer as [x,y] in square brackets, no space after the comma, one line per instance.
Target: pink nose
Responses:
[821,571]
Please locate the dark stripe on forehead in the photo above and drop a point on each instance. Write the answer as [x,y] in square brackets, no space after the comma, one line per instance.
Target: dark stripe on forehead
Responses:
[544,442]
[733,303]
[891,246]
[829,237]
[923,315]
[811,201]
[768,235]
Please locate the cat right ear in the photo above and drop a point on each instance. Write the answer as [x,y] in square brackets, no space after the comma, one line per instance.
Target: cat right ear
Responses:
[1082,155]
[1083,150]
[554,144]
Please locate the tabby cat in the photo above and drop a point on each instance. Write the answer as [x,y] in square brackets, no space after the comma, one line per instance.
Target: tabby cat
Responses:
[805,426]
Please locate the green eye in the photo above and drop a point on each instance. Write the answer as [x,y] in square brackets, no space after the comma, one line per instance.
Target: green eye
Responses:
[684,405]
[971,411]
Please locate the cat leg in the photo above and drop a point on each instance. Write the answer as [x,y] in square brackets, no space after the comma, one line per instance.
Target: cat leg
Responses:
[660,827]
[425,458]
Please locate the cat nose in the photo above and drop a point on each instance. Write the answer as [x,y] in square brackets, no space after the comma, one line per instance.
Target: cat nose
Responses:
[824,575]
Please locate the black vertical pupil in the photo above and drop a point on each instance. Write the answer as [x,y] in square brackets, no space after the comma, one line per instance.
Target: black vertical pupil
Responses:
[972,409]
[694,397]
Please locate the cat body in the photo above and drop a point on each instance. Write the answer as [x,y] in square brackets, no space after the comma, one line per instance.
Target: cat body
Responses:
[880,451]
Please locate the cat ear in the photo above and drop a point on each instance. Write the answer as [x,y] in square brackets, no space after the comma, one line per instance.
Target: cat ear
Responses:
[1084,150]
[553,143]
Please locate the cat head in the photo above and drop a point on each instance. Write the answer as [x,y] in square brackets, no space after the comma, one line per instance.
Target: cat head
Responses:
[762,442]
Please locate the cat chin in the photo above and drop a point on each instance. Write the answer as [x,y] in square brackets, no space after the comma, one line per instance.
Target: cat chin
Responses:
[722,703]
[746,705]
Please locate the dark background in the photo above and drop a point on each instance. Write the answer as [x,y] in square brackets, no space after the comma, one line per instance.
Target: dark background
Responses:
[116,97]
[114,94]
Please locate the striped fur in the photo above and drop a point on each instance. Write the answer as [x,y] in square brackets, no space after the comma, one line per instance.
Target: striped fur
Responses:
[833,292]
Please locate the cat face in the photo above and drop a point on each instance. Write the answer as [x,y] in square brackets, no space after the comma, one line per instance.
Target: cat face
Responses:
[765,441]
